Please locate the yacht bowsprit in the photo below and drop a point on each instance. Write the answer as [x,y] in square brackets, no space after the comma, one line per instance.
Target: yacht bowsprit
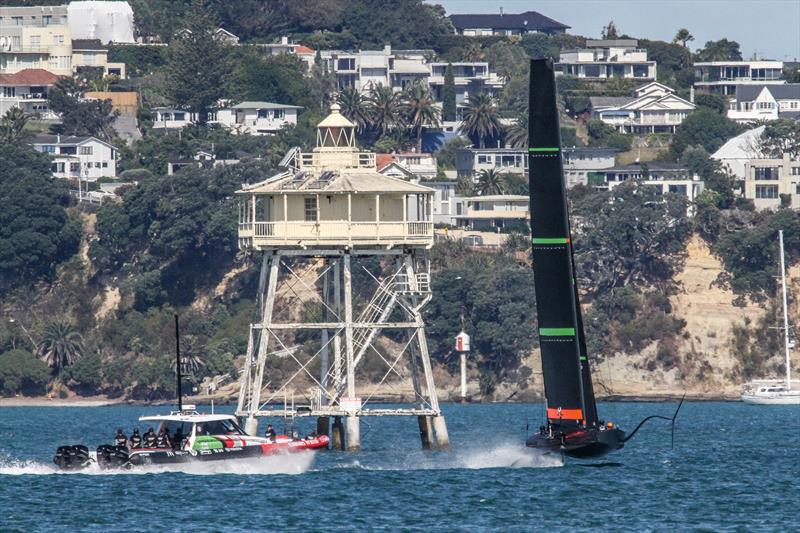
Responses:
[573,426]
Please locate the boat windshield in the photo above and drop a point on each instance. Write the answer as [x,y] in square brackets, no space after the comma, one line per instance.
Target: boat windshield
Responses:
[219,427]
[173,427]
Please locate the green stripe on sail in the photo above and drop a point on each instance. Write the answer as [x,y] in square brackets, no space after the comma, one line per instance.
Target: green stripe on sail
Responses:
[550,240]
[544,149]
[557,332]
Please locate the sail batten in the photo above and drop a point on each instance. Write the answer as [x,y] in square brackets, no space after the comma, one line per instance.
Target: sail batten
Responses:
[565,366]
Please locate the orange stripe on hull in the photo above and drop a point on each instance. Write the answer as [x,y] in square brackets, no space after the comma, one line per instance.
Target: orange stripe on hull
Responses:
[554,413]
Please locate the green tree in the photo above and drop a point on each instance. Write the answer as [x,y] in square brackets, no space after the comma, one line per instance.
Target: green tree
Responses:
[385,108]
[12,126]
[447,154]
[683,36]
[198,64]
[722,50]
[355,107]
[279,79]
[715,102]
[449,95]
[419,109]
[781,137]
[22,372]
[517,133]
[36,233]
[61,345]
[703,127]
[490,182]
[609,31]
[481,119]
[79,116]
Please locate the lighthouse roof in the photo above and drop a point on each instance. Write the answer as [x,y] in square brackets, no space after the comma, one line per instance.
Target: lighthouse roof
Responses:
[335,119]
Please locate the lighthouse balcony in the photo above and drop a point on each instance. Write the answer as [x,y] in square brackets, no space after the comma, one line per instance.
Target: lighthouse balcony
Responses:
[337,233]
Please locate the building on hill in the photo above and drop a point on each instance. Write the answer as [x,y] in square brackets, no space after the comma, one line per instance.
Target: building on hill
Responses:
[28,90]
[652,108]
[603,59]
[286,46]
[166,117]
[410,165]
[447,205]
[220,34]
[495,212]
[257,118]
[663,177]
[35,38]
[93,54]
[736,152]
[773,183]
[201,159]
[85,158]
[722,77]
[581,165]
[482,25]
[765,102]
[109,22]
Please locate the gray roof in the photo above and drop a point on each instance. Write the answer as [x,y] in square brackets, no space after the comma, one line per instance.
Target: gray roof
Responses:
[65,140]
[264,105]
[610,101]
[784,91]
[530,21]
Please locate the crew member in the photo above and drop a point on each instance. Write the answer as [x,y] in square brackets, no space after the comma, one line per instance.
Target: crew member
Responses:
[270,433]
[178,439]
[150,439]
[136,439]
[121,439]
[162,441]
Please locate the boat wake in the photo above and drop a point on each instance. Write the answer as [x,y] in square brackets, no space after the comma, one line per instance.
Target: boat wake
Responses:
[290,464]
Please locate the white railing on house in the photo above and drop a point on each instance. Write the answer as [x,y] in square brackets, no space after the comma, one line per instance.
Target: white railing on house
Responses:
[337,232]
[337,160]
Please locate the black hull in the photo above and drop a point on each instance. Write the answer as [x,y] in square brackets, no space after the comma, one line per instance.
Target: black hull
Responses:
[168,457]
[581,444]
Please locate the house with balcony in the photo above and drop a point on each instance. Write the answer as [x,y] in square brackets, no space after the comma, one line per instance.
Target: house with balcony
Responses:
[652,108]
[482,25]
[35,37]
[495,212]
[85,158]
[166,117]
[765,102]
[93,54]
[257,118]
[334,196]
[772,183]
[603,59]
[28,90]
[469,77]
[663,177]
[722,77]
[581,165]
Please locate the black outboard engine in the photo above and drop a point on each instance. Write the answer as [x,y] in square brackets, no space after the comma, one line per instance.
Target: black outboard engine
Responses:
[110,456]
[73,457]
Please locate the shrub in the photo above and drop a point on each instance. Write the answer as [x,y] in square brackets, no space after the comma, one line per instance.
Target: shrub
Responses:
[20,371]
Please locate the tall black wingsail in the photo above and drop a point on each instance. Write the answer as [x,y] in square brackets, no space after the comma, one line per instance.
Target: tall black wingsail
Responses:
[565,366]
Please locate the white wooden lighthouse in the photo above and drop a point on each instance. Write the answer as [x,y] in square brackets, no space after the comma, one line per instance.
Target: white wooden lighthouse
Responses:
[315,222]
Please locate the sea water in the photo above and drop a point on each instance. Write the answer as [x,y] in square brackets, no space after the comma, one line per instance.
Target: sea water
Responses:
[733,467]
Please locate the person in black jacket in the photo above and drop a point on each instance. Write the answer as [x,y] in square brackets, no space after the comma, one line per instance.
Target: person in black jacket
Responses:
[121,439]
[150,439]
[136,439]
[162,441]
[270,433]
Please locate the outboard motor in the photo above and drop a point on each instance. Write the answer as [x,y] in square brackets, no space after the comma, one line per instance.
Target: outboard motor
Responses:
[110,456]
[73,457]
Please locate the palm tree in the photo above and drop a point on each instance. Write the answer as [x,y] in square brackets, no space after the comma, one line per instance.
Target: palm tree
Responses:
[385,106]
[419,109]
[683,36]
[354,106]
[490,182]
[517,133]
[481,118]
[12,126]
[190,360]
[61,346]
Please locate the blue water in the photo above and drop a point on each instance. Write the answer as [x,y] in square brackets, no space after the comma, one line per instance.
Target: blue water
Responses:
[726,473]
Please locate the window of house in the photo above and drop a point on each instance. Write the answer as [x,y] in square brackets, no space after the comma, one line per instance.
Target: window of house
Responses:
[74,167]
[9,92]
[262,113]
[348,63]
[766,191]
[795,171]
[278,113]
[640,71]
[445,194]
[97,164]
[311,209]
[47,20]
[592,71]
[484,159]
[105,164]
[459,209]
[180,116]
[16,21]
[49,148]
[677,189]
[85,150]
[766,173]
[797,189]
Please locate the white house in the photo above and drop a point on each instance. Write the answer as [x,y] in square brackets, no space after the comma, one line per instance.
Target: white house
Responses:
[447,205]
[765,102]
[27,90]
[87,158]
[767,180]
[653,108]
[584,166]
[664,177]
[408,165]
[722,77]
[172,118]
[607,58]
[495,212]
[257,118]
[736,152]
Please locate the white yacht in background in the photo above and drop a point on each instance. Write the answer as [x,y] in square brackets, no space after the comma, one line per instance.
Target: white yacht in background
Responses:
[777,392]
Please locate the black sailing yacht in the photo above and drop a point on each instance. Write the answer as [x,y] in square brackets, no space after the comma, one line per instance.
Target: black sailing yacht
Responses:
[573,426]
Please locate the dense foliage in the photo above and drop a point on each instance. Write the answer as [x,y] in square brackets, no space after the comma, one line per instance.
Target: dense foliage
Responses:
[703,127]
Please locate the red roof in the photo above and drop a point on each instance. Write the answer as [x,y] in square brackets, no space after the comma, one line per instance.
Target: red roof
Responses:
[300,49]
[381,160]
[29,76]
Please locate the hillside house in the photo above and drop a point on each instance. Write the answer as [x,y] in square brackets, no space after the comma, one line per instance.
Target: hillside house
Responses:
[603,59]
[652,108]
[257,118]
[28,90]
[663,177]
[87,158]
[771,182]
[482,25]
[722,77]
[765,102]
[495,212]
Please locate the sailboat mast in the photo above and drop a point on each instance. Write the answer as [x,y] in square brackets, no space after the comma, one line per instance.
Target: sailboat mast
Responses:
[785,314]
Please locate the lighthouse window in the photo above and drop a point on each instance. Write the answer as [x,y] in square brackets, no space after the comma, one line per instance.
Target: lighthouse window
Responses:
[311,209]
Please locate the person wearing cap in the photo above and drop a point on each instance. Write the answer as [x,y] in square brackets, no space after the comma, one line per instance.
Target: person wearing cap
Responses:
[121,439]
[136,439]
[270,433]
[150,439]
[162,441]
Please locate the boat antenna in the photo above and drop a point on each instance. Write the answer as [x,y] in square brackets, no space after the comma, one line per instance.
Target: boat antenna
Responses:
[178,366]
[651,417]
